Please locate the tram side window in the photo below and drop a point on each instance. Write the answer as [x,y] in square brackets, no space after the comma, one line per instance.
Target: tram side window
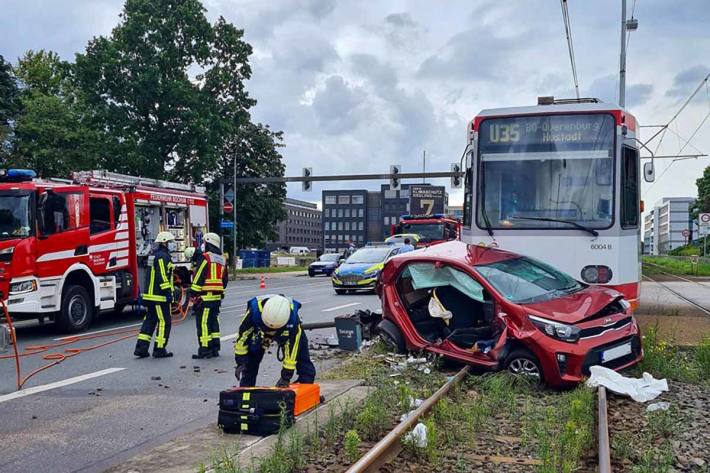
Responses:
[629,188]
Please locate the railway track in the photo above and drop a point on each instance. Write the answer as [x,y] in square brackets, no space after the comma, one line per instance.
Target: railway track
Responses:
[390,446]
[689,301]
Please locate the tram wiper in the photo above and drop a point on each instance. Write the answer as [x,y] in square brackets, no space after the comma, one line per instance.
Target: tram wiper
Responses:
[573,223]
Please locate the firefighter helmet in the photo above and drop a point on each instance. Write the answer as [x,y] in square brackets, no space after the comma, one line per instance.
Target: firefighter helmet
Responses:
[213,239]
[189,252]
[276,312]
[164,237]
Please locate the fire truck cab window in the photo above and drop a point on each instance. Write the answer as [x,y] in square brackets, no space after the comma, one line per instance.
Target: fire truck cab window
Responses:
[99,215]
[59,211]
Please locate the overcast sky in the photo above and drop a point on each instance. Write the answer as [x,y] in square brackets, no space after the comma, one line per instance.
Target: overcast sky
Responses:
[357,86]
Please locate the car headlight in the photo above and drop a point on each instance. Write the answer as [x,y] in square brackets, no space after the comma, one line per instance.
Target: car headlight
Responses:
[371,274]
[7,251]
[560,331]
[23,286]
[625,304]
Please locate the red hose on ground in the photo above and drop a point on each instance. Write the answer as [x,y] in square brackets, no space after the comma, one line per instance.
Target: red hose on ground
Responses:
[180,309]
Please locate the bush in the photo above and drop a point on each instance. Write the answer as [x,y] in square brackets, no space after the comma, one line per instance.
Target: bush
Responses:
[351,444]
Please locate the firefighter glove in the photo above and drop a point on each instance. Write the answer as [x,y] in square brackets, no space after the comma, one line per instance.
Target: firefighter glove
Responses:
[282,383]
[238,371]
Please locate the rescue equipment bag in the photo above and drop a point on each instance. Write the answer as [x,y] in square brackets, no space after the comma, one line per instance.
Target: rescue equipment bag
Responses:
[260,410]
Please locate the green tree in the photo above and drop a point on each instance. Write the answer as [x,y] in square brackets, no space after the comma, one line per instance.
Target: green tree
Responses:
[52,132]
[702,203]
[8,106]
[138,81]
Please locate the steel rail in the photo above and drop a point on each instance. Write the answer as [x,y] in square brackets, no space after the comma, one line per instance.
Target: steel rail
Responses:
[603,432]
[388,447]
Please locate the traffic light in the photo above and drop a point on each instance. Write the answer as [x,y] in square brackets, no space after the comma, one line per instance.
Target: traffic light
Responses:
[456,179]
[395,169]
[307,185]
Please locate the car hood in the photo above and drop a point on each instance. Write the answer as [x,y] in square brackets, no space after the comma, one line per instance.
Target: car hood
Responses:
[357,268]
[575,307]
[322,264]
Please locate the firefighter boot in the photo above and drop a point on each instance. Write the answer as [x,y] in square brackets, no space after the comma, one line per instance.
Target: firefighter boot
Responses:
[215,346]
[161,353]
[141,350]
[203,353]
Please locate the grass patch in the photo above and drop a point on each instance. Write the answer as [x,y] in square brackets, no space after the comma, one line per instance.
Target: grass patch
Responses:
[665,360]
[679,266]
[563,429]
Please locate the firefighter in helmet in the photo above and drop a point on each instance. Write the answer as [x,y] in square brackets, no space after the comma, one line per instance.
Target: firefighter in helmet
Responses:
[270,319]
[208,284]
[157,296]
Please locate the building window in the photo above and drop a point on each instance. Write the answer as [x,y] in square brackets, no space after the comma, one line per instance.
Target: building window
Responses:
[330,199]
[361,213]
[347,213]
[340,225]
[390,194]
[386,220]
[347,225]
[360,226]
[343,199]
[340,213]
[358,199]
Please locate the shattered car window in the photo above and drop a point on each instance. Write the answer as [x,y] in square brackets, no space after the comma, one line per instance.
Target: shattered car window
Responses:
[524,280]
[426,276]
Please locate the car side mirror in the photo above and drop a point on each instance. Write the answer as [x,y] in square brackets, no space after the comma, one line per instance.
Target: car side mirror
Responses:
[649,172]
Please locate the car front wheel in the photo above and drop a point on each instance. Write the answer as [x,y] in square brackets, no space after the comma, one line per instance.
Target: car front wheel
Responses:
[340,292]
[523,363]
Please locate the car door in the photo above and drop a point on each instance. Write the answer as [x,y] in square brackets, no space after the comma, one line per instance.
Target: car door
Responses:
[63,229]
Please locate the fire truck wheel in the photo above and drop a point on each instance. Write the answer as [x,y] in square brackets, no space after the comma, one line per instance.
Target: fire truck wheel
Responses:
[77,309]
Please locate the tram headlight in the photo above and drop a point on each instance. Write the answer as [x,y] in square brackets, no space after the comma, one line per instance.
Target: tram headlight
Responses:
[596,274]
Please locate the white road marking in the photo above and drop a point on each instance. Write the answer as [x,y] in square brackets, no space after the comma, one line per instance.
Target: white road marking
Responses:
[341,307]
[57,384]
[98,331]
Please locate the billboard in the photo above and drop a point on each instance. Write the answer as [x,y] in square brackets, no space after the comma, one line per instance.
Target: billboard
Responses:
[427,200]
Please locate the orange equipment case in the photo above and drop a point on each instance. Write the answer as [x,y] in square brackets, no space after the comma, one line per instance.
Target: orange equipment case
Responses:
[307,397]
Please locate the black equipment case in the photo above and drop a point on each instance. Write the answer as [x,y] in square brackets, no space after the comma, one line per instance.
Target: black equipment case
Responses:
[256,411]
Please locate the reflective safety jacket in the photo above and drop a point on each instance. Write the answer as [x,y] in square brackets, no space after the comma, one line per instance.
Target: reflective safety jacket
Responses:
[210,279]
[159,280]
[254,336]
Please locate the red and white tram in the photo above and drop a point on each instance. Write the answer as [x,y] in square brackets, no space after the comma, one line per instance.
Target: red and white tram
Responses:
[559,182]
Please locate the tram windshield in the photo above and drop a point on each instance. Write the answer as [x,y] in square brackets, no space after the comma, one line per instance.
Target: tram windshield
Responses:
[545,171]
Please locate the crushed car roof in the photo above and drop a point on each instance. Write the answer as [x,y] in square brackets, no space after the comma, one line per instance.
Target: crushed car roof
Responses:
[457,251]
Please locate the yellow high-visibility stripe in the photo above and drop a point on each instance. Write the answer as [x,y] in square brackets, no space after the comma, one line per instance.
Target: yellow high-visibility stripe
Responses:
[215,334]
[291,353]
[144,337]
[152,280]
[154,298]
[195,281]
[166,282]
[205,337]
[240,347]
[160,336]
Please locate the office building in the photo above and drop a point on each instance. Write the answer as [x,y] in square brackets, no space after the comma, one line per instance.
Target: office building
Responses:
[344,219]
[302,227]
[665,223]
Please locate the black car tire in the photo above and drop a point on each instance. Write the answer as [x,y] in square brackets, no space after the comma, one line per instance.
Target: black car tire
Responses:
[523,362]
[77,310]
[340,292]
[310,274]
[392,336]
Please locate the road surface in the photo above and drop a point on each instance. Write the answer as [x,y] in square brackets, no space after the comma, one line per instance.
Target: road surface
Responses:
[102,407]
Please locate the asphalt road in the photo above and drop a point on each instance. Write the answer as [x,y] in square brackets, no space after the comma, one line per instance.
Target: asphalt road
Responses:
[116,409]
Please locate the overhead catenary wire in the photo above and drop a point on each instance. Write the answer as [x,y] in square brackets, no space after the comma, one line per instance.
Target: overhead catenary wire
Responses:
[570,46]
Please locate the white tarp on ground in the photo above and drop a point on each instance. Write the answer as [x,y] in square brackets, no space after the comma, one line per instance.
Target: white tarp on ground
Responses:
[639,389]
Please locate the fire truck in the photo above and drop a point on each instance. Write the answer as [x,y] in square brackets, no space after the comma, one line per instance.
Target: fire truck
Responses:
[432,229]
[70,248]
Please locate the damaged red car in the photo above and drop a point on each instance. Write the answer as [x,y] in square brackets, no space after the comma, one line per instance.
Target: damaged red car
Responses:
[499,310]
